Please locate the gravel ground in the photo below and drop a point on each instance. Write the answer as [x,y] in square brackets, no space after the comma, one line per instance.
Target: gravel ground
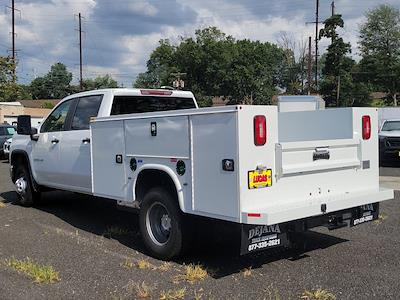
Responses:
[88,241]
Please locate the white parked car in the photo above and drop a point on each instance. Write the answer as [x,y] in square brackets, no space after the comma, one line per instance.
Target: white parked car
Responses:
[270,174]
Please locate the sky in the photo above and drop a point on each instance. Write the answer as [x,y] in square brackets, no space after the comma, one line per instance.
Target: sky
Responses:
[119,35]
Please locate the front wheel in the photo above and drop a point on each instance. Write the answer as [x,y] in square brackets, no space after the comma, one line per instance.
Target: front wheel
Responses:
[161,224]
[23,186]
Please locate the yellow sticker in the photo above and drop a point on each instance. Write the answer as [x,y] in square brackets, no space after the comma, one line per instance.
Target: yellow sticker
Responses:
[259,178]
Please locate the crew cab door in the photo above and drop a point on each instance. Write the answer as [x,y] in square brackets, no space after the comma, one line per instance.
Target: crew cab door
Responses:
[75,163]
[46,150]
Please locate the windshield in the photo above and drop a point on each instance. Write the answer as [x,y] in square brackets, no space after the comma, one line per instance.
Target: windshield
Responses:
[391,125]
[10,130]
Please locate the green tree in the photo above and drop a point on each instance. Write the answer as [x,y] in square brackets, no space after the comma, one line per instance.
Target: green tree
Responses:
[216,64]
[380,50]
[337,84]
[100,82]
[10,90]
[56,84]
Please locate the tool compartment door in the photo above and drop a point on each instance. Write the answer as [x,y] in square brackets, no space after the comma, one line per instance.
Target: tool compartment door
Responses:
[108,173]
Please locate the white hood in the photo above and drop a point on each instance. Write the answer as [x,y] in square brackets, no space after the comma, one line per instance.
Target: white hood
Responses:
[392,133]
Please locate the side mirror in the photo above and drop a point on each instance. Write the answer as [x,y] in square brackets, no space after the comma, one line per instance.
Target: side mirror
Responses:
[24,126]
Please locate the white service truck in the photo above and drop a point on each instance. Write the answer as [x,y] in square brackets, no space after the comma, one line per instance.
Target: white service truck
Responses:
[272,174]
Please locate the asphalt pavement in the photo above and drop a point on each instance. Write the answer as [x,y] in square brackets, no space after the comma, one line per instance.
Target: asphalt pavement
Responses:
[96,248]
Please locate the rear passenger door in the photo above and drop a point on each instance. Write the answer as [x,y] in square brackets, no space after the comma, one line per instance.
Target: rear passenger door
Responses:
[75,152]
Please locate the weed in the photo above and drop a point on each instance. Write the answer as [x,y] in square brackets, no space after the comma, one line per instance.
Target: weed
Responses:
[192,273]
[144,264]
[127,264]
[247,272]
[197,296]
[142,290]
[382,217]
[173,294]
[318,294]
[272,293]
[2,204]
[165,266]
[40,273]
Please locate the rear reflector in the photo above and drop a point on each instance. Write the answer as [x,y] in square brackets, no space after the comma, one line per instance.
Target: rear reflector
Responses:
[156,92]
[366,127]
[254,215]
[260,130]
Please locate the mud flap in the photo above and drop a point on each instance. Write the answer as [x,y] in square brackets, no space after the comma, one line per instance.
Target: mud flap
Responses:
[365,213]
[261,237]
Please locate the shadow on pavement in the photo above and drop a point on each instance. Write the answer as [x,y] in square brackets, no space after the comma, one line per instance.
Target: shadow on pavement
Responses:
[215,246]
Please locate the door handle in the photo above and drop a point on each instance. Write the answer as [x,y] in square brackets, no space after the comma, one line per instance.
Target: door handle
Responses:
[86,141]
[55,141]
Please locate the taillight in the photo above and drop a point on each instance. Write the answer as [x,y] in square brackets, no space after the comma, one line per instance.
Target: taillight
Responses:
[260,130]
[366,127]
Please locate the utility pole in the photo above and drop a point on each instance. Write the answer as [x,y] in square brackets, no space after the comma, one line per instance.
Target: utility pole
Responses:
[309,66]
[80,52]
[338,91]
[316,42]
[316,22]
[333,8]
[13,34]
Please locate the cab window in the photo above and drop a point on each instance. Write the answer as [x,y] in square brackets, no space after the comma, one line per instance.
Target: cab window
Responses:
[87,107]
[56,121]
[141,104]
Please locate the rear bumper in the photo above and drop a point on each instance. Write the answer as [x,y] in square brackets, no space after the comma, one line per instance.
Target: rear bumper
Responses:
[261,237]
[296,210]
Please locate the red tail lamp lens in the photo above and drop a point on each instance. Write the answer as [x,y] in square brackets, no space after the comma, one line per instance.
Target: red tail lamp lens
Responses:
[260,130]
[366,127]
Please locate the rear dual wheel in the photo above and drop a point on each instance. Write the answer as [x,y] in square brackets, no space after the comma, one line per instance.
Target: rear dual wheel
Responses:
[162,224]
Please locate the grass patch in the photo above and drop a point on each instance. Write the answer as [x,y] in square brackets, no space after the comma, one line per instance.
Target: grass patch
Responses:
[142,291]
[382,217]
[318,294]
[115,231]
[128,264]
[173,294]
[198,295]
[144,264]
[192,274]
[272,293]
[2,204]
[166,266]
[247,272]
[40,273]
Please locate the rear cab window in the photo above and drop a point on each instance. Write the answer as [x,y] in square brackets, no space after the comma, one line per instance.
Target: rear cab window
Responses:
[141,104]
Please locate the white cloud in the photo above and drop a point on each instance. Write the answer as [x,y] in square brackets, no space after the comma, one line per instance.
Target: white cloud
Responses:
[143,8]
[46,31]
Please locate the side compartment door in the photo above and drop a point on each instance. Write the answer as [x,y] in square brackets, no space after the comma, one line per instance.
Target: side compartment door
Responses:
[46,150]
[75,150]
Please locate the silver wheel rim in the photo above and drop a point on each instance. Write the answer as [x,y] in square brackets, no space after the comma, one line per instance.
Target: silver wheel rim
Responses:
[158,223]
[20,185]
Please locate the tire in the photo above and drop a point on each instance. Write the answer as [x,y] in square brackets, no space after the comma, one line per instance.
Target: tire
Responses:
[23,185]
[162,224]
